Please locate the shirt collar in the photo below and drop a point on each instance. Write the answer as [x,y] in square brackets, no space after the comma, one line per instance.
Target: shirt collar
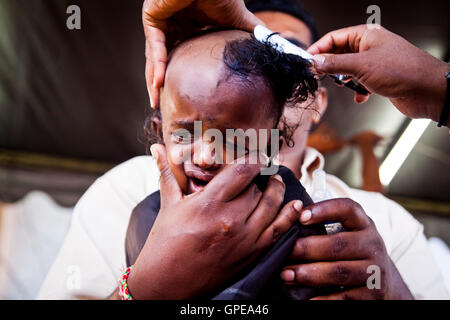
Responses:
[312,161]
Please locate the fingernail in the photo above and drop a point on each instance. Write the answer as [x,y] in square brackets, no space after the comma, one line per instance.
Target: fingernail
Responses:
[278,177]
[319,60]
[150,96]
[305,216]
[154,152]
[298,205]
[288,275]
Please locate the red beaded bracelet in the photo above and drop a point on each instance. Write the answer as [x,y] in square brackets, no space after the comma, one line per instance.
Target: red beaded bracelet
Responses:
[123,285]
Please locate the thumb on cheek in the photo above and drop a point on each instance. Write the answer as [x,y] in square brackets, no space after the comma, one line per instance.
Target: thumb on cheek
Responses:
[170,190]
[159,153]
[155,150]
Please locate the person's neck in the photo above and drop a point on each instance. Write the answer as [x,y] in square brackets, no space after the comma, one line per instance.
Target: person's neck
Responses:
[293,160]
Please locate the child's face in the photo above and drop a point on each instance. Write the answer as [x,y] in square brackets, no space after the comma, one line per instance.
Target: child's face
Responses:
[197,89]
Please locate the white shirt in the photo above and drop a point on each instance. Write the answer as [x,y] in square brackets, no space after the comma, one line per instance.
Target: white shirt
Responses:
[93,254]
[32,231]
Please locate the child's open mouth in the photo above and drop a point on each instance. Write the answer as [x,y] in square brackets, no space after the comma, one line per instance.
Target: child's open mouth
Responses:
[198,181]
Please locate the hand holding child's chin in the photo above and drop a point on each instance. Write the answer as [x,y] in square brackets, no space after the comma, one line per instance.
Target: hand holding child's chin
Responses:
[201,240]
[345,260]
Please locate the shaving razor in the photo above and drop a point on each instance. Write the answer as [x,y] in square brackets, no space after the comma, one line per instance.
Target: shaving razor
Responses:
[265,35]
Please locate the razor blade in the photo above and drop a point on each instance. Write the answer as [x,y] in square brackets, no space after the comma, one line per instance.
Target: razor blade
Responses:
[265,35]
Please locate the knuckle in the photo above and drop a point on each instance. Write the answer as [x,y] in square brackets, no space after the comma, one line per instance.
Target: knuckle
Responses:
[271,201]
[301,248]
[339,244]
[208,205]
[165,172]
[331,60]
[370,222]
[281,189]
[376,246]
[303,276]
[242,169]
[349,204]
[276,232]
[340,274]
[346,296]
[257,193]
[227,227]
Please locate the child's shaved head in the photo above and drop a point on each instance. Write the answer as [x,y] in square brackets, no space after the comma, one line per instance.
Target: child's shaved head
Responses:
[226,80]
[234,60]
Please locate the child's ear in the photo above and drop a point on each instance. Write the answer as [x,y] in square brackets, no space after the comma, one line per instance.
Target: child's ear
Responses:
[157,128]
[321,103]
[281,142]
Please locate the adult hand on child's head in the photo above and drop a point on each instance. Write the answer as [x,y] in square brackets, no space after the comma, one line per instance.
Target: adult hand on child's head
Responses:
[386,64]
[167,21]
[199,241]
[342,260]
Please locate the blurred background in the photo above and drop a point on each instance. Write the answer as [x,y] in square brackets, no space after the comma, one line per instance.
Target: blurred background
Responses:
[73,102]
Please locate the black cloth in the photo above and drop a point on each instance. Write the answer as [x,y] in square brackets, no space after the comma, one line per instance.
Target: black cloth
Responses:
[262,279]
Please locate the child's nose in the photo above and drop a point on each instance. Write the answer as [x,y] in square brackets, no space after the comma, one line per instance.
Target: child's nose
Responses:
[206,156]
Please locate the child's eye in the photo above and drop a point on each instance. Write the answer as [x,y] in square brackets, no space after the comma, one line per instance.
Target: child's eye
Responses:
[181,136]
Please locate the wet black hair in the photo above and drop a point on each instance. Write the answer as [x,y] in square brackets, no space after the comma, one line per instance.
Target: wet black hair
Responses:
[291,7]
[288,76]
[250,61]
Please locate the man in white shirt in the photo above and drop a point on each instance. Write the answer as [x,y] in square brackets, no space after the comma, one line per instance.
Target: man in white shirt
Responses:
[93,254]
